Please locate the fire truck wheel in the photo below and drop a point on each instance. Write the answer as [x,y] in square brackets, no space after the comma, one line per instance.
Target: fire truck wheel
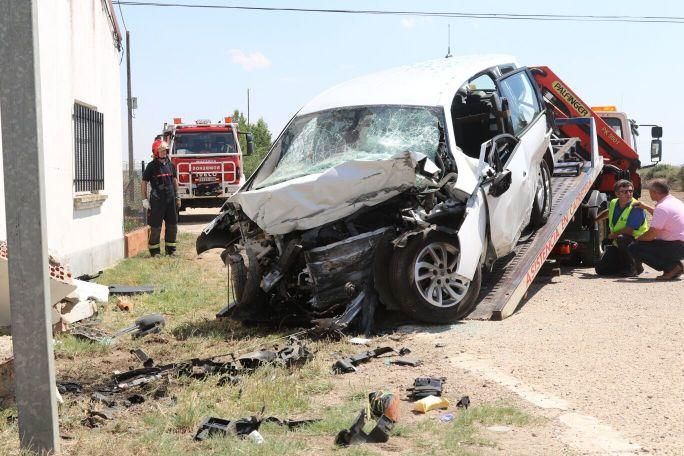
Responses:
[541,207]
[424,281]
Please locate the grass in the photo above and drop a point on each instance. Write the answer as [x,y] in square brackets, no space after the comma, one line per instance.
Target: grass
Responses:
[190,291]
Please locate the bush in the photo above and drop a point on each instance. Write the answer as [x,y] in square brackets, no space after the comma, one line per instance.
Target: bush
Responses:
[673,174]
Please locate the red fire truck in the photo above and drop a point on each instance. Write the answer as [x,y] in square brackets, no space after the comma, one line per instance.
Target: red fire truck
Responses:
[208,160]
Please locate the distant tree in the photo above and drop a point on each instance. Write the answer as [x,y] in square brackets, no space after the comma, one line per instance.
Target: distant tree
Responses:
[262,141]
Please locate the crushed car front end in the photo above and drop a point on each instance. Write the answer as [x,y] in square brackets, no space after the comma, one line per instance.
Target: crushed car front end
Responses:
[353,208]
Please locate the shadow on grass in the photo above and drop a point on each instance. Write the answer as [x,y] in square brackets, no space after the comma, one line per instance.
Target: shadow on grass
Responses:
[224,328]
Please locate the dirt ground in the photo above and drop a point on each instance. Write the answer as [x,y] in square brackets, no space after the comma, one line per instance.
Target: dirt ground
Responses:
[601,359]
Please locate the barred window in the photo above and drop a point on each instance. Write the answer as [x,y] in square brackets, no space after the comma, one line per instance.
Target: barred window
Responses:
[88,149]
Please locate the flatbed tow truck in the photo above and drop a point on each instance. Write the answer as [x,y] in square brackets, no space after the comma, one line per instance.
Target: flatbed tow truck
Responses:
[591,154]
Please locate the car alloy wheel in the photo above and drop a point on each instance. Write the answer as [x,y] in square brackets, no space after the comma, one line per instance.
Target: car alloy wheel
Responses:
[435,275]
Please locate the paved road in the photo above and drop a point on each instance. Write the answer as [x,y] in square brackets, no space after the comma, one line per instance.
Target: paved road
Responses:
[194,220]
[608,354]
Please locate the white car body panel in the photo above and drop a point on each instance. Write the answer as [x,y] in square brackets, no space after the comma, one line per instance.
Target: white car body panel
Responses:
[472,235]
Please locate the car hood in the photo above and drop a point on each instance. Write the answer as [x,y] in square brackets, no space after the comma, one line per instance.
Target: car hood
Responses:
[314,200]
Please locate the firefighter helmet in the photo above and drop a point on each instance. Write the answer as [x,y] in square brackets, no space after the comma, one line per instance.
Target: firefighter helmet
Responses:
[162,145]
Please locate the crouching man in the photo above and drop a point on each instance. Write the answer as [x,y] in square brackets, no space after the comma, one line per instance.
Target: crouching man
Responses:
[626,222]
[662,246]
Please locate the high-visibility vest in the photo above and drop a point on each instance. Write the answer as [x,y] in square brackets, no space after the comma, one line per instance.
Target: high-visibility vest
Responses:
[622,220]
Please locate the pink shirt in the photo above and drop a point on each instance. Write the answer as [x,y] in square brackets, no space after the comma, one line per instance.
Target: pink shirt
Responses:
[668,217]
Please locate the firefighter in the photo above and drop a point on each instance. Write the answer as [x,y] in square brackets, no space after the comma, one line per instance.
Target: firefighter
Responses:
[163,201]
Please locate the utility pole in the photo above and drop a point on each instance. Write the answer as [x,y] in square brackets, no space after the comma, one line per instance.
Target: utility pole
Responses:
[247,107]
[131,185]
[20,104]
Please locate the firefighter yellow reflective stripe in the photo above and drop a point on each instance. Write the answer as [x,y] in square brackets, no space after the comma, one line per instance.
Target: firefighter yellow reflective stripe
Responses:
[169,244]
[153,246]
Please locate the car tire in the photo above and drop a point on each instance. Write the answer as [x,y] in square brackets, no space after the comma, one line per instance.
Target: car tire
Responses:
[410,293]
[248,296]
[541,206]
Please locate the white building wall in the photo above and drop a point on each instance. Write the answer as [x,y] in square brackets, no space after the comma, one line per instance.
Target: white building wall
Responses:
[79,62]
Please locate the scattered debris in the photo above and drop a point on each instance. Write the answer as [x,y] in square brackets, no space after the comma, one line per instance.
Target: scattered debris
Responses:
[383,406]
[447,417]
[359,341]
[430,403]
[149,324]
[384,403]
[404,351]
[69,387]
[132,290]
[96,418]
[346,365]
[212,426]
[143,357]
[426,386]
[134,399]
[106,399]
[89,277]
[255,437]
[295,353]
[440,345]
[124,304]
[464,402]
[413,362]
[355,434]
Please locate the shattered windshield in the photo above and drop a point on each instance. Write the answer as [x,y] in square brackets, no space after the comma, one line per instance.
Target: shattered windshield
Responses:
[316,142]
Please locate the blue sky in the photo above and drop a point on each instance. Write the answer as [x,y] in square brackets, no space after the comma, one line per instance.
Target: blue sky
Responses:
[198,64]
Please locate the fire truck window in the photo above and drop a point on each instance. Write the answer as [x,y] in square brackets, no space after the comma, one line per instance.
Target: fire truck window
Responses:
[204,143]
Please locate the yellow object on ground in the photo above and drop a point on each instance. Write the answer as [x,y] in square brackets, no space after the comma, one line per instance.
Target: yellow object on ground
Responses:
[430,403]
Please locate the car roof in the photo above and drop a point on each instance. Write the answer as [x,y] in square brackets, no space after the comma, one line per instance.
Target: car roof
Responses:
[431,83]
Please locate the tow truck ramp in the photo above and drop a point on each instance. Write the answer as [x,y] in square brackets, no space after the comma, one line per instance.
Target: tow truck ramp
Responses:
[504,288]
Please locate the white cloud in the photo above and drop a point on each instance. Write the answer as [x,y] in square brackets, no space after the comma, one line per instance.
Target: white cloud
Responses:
[408,22]
[249,61]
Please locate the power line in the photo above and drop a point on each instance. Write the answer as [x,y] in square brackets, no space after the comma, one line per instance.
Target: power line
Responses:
[123,21]
[445,14]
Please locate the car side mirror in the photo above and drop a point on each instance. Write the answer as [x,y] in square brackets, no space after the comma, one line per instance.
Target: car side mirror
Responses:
[501,183]
[656,132]
[656,150]
[250,143]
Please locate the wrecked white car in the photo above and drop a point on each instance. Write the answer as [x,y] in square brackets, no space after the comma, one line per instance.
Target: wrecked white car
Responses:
[391,191]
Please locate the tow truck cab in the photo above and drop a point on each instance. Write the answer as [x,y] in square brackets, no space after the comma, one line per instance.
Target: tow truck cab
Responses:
[628,130]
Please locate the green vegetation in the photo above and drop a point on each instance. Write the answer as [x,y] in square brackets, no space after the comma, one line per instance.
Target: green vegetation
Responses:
[673,174]
[262,140]
[191,291]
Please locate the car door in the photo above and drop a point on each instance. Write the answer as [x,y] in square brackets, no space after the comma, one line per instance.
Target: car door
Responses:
[513,155]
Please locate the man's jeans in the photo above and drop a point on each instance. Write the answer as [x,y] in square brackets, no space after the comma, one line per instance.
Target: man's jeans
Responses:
[660,255]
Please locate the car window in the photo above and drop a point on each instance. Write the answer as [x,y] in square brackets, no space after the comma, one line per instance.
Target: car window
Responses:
[482,82]
[522,100]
